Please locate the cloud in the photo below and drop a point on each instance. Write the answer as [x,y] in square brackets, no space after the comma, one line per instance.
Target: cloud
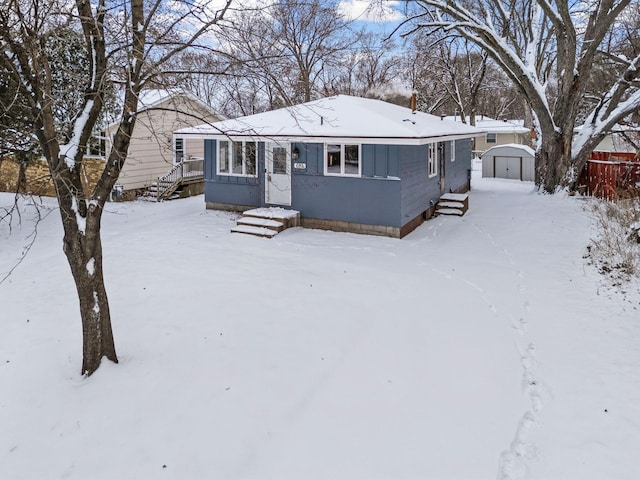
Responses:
[371,10]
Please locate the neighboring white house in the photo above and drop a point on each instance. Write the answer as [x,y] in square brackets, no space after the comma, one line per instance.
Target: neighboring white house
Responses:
[619,139]
[512,161]
[153,150]
[498,132]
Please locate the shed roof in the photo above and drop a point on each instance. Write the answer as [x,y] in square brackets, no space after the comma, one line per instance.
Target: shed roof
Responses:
[343,117]
[510,146]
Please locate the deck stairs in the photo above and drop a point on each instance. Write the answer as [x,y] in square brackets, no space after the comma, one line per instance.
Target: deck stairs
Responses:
[452,204]
[266,222]
[162,190]
[170,185]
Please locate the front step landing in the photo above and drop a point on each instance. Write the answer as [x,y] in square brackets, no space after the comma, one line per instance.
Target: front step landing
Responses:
[266,222]
[453,204]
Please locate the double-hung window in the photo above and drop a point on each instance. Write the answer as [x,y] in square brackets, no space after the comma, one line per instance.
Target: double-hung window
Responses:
[342,159]
[433,160]
[237,158]
[491,138]
[178,150]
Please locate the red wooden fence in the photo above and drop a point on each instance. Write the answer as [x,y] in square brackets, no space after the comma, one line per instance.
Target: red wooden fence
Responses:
[611,175]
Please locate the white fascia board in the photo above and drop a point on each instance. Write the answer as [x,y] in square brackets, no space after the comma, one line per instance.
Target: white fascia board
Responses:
[354,140]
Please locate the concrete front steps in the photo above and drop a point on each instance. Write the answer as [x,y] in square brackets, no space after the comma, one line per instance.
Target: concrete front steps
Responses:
[453,204]
[266,222]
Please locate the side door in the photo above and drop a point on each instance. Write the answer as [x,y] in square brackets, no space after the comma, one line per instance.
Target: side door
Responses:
[442,164]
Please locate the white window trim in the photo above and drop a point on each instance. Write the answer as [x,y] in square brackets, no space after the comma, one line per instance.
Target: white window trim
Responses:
[342,160]
[453,150]
[230,159]
[182,141]
[432,152]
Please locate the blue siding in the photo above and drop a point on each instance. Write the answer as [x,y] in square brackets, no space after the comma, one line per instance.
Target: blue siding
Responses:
[368,200]
[393,190]
[419,192]
[232,189]
[417,189]
[458,170]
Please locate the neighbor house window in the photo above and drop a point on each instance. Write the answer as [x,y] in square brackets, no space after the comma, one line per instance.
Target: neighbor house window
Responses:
[491,138]
[237,158]
[178,149]
[97,145]
[342,159]
[452,150]
[433,160]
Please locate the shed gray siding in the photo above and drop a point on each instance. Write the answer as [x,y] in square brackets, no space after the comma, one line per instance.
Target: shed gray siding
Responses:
[523,157]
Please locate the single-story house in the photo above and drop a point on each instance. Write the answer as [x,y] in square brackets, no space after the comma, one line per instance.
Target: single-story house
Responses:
[512,161]
[154,150]
[498,132]
[345,163]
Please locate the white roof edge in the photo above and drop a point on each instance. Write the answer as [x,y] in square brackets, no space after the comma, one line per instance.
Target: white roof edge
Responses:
[340,116]
[518,146]
[316,139]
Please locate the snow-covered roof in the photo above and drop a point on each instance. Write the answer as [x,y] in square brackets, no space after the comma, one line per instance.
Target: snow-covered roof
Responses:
[340,116]
[524,148]
[617,128]
[152,98]
[491,125]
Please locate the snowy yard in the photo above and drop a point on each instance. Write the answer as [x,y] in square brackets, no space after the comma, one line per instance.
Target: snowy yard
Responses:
[474,348]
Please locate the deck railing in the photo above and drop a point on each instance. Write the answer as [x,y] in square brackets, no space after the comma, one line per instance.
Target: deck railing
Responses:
[190,169]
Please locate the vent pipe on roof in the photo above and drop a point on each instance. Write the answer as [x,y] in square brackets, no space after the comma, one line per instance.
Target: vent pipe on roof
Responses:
[414,101]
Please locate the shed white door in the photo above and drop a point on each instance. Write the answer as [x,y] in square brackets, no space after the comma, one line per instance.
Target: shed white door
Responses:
[508,167]
[278,175]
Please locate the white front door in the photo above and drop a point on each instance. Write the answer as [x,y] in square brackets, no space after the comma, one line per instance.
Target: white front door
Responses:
[278,176]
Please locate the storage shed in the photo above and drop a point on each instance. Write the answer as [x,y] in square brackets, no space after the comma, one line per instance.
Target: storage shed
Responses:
[512,161]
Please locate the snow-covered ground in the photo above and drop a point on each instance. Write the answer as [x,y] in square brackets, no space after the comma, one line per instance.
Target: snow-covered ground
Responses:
[478,347]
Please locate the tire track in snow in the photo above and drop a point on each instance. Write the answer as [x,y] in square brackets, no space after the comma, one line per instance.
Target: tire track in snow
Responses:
[513,462]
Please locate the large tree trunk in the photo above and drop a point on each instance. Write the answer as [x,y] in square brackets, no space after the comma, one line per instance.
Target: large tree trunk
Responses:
[552,162]
[82,246]
[97,335]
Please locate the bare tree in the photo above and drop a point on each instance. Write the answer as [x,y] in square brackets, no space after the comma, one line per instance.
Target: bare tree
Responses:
[127,42]
[547,48]
[281,50]
[370,68]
